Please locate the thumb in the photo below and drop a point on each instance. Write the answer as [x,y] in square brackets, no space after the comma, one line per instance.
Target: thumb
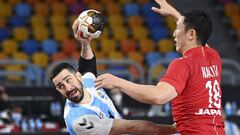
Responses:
[75,26]
[157,10]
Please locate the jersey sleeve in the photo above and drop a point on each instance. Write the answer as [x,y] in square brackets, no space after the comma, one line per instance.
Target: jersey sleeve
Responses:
[177,75]
[87,65]
[92,125]
[88,80]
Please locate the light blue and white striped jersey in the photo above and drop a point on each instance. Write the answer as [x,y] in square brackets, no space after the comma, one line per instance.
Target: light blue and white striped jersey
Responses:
[94,118]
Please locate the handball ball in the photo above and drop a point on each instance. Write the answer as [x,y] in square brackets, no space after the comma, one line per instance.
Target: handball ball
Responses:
[91,23]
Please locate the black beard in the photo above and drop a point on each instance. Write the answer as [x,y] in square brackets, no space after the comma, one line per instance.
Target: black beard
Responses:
[81,94]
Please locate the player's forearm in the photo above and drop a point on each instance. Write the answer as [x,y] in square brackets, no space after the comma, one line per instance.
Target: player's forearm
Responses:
[166,129]
[143,127]
[149,94]
[87,65]
[140,127]
[87,61]
[86,52]
[174,13]
[150,128]
[166,9]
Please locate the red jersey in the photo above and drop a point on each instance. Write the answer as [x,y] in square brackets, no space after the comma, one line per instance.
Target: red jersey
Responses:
[196,77]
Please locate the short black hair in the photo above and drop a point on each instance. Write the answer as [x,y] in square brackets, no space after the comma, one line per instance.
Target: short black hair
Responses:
[58,68]
[200,22]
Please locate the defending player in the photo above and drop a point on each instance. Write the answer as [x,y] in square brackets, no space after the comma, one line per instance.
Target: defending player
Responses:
[191,82]
[91,112]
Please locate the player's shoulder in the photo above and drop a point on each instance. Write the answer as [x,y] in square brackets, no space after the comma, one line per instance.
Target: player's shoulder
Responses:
[213,53]
[88,80]
[180,60]
[211,50]
[73,110]
[179,63]
[89,75]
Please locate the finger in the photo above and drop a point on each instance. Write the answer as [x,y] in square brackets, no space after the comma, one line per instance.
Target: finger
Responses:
[157,10]
[99,79]
[79,34]
[75,26]
[98,85]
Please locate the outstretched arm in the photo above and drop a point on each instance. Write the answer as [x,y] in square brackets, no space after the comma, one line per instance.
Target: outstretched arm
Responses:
[140,127]
[87,61]
[93,125]
[166,9]
[150,94]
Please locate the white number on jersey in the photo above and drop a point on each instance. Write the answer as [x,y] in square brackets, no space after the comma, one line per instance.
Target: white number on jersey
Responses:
[214,94]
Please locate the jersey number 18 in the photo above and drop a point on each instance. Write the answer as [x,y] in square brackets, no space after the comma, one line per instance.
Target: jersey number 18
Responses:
[214,94]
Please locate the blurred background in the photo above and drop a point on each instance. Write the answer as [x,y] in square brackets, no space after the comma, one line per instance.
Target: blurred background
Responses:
[136,44]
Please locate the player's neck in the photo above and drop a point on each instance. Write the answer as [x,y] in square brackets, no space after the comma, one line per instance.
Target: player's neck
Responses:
[87,98]
[190,46]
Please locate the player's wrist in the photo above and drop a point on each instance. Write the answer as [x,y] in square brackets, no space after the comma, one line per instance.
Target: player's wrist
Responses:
[86,52]
[174,13]
[85,43]
[120,83]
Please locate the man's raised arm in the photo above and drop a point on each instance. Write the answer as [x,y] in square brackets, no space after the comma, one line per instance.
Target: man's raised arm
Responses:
[87,60]
[166,9]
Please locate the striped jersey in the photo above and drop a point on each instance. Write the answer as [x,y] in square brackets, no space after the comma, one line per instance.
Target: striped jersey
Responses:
[94,118]
[196,76]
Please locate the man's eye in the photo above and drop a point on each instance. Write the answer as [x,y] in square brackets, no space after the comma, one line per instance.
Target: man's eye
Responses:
[60,86]
[68,80]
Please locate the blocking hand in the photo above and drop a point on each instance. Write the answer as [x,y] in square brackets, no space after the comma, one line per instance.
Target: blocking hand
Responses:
[107,81]
[166,9]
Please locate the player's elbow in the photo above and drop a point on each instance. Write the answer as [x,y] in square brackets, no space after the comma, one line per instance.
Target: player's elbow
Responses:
[152,99]
[163,93]
[159,100]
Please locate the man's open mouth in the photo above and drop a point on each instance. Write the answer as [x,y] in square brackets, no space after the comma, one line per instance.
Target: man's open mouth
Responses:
[73,93]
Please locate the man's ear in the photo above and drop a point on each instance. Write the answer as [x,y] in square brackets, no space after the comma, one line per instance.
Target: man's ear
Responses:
[79,76]
[191,34]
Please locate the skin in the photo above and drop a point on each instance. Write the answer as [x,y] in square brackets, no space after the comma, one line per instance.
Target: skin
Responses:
[70,86]
[184,40]
[163,92]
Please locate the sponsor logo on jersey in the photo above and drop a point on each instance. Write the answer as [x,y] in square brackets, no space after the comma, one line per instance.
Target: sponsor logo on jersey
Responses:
[87,124]
[209,112]
[100,95]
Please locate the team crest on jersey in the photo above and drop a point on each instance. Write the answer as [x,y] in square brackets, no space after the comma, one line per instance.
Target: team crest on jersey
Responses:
[101,115]
[101,95]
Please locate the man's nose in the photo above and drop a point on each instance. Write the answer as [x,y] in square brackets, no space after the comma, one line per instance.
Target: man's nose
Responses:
[68,86]
[174,34]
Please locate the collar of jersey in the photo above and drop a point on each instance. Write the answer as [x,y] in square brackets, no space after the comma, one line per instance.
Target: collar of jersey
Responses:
[77,104]
[192,50]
